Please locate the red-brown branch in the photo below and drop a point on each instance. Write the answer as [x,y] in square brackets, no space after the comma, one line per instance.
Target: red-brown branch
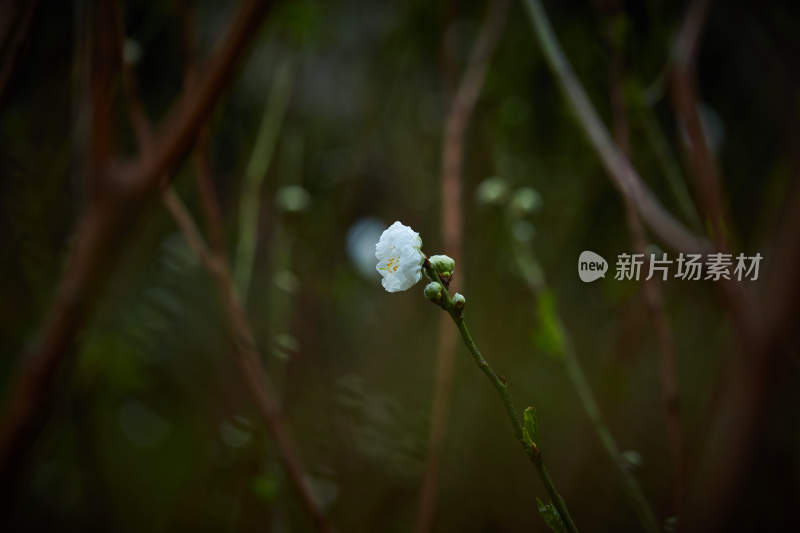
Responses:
[202,164]
[650,290]
[452,158]
[740,395]
[619,169]
[179,130]
[684,97]
[246,355]
[99,237]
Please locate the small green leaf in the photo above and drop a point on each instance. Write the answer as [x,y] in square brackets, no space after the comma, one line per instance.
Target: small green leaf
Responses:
[529,425]
[551,517]
[265,486]
[549,334]
[632,458]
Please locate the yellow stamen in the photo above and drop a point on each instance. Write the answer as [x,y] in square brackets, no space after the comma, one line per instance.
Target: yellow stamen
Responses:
[391,265]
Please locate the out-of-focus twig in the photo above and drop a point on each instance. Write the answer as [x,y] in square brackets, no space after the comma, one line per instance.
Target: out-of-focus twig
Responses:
[173,139]
[247,356]
[202,164]
[669,163]
[622,174]
[651,289]
[533,274]
[731,443]
[99,237]
[254,176]
[684,97]
[458,118]
[703,168]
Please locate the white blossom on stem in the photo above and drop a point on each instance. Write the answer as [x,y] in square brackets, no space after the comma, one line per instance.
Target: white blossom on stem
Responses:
[400,257]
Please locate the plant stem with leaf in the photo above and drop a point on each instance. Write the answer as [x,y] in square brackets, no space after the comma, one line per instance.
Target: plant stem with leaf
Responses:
[531,449]
[532,273]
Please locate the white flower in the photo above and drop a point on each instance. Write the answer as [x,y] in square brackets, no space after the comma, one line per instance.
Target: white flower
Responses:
[399,257]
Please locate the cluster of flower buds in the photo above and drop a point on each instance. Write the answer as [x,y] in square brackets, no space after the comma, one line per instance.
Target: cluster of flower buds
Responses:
[401,264]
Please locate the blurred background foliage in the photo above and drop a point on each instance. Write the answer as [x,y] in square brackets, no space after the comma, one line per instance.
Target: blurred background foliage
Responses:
[151,429]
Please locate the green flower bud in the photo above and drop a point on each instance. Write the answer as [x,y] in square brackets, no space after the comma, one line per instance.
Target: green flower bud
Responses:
[442,264]
[459,301]
[492,191]
[433,291]
[525,201]
[292,199]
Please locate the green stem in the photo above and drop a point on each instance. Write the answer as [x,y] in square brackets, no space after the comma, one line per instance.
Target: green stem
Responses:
[555,497]
[630,484]
[669,165]
[528,264]
[254,176]
[501,386]
[619,169]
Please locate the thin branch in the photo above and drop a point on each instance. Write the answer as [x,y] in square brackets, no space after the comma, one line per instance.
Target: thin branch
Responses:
[720,478]
[704,171]
[666,347]
[532,273]
[104,65]
[99,237]
[440,407]
[247,357]
[630,484]
[31,390]
[684,97]
[452,158]
[173,140]
[669,163]
[651,289]
[205,184]
[212,212]
[529,446]
[256,171]
[622,174]
[457,120]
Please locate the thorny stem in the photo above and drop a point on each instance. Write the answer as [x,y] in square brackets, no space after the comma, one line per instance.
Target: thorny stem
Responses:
[533,452]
